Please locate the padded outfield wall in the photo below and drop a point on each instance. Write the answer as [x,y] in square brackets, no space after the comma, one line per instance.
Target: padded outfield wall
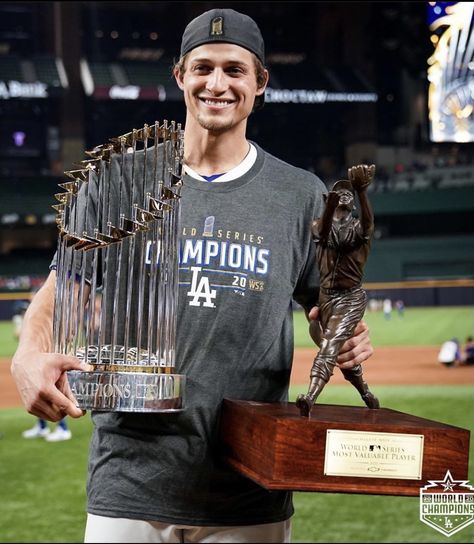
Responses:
[423,251]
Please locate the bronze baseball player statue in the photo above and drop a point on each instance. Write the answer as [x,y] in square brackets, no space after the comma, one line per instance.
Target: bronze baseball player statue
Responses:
[343,247]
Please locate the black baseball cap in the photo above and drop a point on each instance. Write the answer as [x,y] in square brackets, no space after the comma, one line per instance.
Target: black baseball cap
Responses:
[225,26]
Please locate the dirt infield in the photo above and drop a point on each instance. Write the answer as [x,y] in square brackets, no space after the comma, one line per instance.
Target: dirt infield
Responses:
[416,365]
[389,365]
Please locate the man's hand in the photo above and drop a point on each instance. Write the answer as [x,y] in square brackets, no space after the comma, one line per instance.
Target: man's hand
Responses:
[357,349]
[354,351]
[43,386]
[361,176]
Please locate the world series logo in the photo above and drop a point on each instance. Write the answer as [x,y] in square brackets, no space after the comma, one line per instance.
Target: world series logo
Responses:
[447,505]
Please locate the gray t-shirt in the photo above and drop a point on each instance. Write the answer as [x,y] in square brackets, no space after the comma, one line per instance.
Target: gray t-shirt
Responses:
[245,252]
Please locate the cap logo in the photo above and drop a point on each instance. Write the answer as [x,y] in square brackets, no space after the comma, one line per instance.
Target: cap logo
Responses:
[217,26]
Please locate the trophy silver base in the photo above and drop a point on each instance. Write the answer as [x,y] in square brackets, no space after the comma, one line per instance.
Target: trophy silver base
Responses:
[127,391]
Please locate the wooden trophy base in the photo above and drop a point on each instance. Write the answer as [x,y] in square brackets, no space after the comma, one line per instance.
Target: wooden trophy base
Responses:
[340,449]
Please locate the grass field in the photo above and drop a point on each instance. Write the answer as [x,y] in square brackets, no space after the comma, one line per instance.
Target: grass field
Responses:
[42,495]
[418,326]
[43,484]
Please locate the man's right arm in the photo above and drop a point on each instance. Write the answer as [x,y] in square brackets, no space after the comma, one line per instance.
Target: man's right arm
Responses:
[39,374]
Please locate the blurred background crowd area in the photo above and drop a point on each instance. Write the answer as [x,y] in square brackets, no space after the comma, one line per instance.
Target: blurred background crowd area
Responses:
[389,83]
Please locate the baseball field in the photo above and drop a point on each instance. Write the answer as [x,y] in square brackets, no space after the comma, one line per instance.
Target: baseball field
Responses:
[43,484]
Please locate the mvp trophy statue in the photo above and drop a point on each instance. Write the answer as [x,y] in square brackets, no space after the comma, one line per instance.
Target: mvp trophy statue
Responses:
[117,272]
[304,446]
[343,248]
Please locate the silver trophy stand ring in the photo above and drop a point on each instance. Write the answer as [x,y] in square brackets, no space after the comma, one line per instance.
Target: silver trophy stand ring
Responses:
[128,391]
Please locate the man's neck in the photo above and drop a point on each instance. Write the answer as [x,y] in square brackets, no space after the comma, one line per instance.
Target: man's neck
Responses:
[211,153]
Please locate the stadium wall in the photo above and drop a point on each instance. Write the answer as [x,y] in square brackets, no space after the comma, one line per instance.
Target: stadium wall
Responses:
[407,259]
[456,199]
[424,293]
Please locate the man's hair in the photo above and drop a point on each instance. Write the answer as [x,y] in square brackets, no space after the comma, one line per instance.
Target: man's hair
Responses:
[259,72]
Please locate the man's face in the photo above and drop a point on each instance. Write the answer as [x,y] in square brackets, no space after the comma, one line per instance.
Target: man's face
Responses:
[220,85]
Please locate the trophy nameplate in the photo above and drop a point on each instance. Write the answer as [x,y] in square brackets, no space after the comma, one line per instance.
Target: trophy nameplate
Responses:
[275,446]
[373,454]
[117,272]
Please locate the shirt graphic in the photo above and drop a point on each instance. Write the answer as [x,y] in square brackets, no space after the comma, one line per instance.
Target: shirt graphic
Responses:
[213,259]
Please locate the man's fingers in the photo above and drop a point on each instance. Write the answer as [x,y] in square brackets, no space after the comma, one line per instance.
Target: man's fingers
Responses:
[355,342]
[352,359]
[43,386]
[61,394]
[73,363]
[349,345]
[356,349]
[355,356]
[54,412]
[45,410]
[313,313]
[63,404]
[66,390]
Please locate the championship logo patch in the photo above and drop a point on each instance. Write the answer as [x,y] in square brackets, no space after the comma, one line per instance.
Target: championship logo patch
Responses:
[217,26]
[447,505]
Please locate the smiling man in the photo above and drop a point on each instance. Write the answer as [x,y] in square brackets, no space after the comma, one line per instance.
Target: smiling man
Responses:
[222,74]
[247,253]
